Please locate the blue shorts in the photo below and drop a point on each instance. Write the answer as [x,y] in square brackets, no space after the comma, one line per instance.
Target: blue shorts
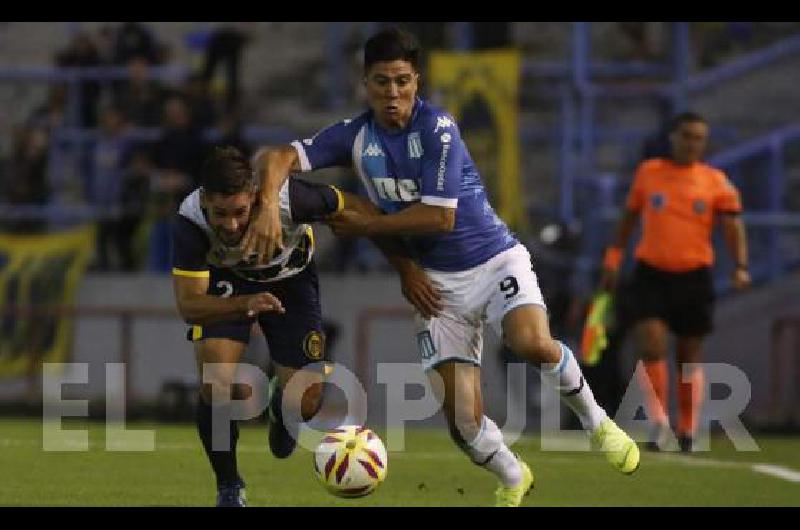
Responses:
[295,338]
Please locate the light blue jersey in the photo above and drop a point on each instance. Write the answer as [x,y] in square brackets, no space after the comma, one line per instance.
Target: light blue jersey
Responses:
[426,162]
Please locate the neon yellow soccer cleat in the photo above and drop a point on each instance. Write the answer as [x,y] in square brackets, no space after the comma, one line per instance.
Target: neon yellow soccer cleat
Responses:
[620,450]
[511,497]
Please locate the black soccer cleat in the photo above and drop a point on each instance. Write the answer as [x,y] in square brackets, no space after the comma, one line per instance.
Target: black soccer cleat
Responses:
[231,496]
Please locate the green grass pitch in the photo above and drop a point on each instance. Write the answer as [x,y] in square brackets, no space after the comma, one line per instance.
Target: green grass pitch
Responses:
[429,472]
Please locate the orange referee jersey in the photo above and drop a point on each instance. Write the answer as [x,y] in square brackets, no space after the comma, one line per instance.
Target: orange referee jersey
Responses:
[677,205]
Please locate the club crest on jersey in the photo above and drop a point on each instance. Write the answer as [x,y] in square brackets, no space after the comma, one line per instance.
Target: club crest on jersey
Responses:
[373,149]
[442,122]
[314,345]
[414,146]
[657,200]
[699,206]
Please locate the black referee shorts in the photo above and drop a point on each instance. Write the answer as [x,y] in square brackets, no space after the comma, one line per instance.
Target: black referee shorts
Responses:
[684,300]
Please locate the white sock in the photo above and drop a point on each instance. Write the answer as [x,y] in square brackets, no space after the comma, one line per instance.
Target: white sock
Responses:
[488,450]
[568,379]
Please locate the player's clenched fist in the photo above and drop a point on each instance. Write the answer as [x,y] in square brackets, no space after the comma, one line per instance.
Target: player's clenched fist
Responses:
[261,303]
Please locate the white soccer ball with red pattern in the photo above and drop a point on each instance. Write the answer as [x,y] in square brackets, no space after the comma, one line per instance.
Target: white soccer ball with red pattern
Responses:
[350,461]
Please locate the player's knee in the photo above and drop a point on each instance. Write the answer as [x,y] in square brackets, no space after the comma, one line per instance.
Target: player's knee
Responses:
[462,424]
[311,401]
[532,345]
[221,383]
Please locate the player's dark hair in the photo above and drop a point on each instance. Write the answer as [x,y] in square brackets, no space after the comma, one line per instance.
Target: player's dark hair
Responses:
[685,117]
[226,171]
[392,44]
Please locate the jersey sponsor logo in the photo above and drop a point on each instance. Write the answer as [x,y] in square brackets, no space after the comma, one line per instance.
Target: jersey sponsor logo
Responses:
[446,138]
[314,345]
[657,201]
[414,146]
[397,190]
[425,344]
[442,122]
[442,168]
[373,149]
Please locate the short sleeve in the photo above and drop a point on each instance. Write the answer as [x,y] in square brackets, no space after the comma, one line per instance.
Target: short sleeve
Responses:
[189,248]
[726,197]
[330,147]
[311,202]
[636,196]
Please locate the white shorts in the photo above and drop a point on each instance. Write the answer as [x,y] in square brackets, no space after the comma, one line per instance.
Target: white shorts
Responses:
[472,298]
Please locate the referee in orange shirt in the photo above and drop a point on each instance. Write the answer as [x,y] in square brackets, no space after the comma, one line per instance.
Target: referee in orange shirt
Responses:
[678,200]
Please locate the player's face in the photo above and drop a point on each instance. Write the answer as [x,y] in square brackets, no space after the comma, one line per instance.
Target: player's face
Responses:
[391,90]
[228,215]
[689,142]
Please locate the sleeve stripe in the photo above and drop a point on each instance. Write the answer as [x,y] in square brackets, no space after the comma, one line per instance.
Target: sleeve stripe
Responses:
[190,274]
[340,204]
[305,165]
[439,201]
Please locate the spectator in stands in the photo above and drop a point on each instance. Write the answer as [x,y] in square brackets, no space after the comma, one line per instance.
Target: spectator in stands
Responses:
[491,35]
[134,41]
[176,156]
[82,53]
[639,35]
[105,187]
[225,48]
[25,182]
[135,200]
[230,130]
[105,41]
[201,105]
[52,113]
[140,99]
[181,147]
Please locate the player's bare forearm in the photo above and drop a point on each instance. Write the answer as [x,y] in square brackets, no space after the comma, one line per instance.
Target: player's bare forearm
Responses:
[395,252]
[735,238]
[419,219]
[199,308]
[272,165]
[391,247]
[203,309]
[264,232]
[359,204]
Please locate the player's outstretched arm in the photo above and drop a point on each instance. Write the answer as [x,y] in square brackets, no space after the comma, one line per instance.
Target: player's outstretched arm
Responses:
[418,219]
[416,286]
[198,308]
[272,165]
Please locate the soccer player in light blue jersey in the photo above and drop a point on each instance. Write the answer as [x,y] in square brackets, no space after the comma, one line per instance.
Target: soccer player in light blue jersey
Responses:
[462,267]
